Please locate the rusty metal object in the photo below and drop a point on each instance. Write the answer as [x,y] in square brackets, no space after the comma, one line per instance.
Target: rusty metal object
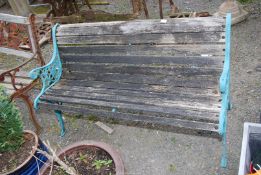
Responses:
[13,35]
[189,14]
[139,5]
[23,94]
[21,90]
[174,8]
[35,40]
[43,33]
[63,8]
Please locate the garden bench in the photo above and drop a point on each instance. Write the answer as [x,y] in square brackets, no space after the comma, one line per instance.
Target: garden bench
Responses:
[162,74]
[15,30]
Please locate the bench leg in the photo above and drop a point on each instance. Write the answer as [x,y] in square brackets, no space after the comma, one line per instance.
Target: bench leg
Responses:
[224,152]
[59,117]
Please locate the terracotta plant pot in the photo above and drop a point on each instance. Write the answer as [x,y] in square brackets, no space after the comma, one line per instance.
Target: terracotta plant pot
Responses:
[119,167]
[31,164]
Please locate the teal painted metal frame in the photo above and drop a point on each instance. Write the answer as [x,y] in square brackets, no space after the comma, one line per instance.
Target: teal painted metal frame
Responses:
[50,74]
[225,93]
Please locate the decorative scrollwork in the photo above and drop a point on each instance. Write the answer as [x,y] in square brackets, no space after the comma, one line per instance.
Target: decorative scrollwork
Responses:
[51,73]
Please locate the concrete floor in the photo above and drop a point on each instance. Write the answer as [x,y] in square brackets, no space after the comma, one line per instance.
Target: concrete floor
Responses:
[152,152]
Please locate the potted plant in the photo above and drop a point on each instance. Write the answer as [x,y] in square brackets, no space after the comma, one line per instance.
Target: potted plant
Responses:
[17,155]
[85,157]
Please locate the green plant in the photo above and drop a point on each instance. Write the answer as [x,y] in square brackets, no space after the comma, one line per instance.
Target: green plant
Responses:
[173,140]
[82,158]
[172,168]
[245,1]
[11,126]
[100,163]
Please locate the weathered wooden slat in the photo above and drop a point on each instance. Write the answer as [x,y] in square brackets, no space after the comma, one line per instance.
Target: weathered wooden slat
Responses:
[161,111]
[16,52]
[112,93]
[145,26]
[138,39]
[210,62]
[174,70]
[149,50]
[18,80]
[14,19]
[141,87]
[169,124]
[141,107]
[182,81]
[176,101]
[144,91]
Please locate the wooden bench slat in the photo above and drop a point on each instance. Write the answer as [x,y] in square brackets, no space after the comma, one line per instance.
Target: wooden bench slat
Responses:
[143,107]
[18,80]
[195,81]
[191,93]
[21,53]
[157,39]
[210,62]
[143,99]
[116,87]
[168,124]
[129,86]
[174,70]
[14,19]
[141,27]
[189,113]
[187,50]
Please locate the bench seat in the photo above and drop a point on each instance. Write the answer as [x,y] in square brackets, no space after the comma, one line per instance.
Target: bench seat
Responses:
[172,93]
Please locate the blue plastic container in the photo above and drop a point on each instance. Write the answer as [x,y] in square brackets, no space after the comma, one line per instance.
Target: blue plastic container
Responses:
[33,164]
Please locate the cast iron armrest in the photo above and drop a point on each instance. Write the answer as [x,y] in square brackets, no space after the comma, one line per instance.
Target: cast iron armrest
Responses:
[51,73]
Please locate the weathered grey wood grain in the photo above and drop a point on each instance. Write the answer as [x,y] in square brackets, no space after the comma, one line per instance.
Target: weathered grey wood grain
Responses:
[143,27]
[173,70]
[13,18]
[209,62]
[206,103]
[176,125]
[149,50]
[188,113]
[144,90]
[131,86]
[16,52]
[189,95]
[157,39]
[182,81]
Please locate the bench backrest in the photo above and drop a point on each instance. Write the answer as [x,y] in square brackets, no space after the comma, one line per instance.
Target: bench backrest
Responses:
[18,30]
[176,52]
